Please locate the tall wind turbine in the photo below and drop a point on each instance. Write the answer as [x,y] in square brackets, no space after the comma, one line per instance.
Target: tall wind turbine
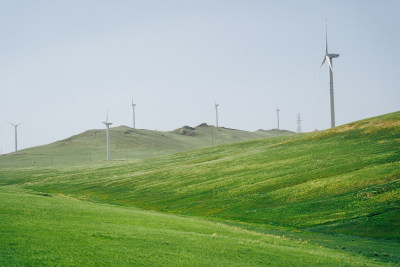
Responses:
[133,108]
[107,124]
[328,57]
[16,136]
[216,113]
[277,114]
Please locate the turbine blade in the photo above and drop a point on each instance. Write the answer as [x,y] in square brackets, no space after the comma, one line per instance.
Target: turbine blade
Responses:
[329,62]
[323,62]
[326,35]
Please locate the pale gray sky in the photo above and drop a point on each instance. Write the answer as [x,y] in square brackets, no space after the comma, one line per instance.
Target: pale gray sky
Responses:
[64,63]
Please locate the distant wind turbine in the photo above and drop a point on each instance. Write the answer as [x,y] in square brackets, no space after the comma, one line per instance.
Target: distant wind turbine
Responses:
[328,57]
[216,113]
[133,108]
[16,136]
[107,124]
[277,114]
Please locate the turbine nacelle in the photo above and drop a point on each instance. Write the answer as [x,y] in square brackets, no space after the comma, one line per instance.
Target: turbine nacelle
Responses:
[327,57]
[332,55]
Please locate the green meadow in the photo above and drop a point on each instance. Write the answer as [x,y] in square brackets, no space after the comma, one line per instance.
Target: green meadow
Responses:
[323,198]
[39,229]
[126,144]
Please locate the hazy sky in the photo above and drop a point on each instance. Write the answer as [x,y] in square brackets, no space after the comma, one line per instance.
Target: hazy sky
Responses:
[64,63]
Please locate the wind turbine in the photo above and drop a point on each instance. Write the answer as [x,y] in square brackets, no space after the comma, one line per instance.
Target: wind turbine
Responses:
[216,113]
[277,113]
[107,124]
[328,57]
[133,108]
[15,127]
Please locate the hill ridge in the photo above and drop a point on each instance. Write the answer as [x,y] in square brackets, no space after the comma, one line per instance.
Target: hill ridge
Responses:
[127,143]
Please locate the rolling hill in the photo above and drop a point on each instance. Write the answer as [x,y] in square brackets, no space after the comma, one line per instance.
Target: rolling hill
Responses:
[45,230]
[334,180]
[335,191]
[129,144]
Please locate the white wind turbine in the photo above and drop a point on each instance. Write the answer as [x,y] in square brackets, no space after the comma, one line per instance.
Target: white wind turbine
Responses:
[16,136]
[107,124]
[277,114]
[328,57]
[133,108]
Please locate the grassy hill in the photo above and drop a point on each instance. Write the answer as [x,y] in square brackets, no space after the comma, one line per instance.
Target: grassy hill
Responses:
[88,148]
[335,180]
[44,230]
[337,190]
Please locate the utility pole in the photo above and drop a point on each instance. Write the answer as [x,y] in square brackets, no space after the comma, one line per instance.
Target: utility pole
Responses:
[216,113]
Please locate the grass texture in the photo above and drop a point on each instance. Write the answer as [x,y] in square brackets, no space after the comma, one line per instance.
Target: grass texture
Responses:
[335,191]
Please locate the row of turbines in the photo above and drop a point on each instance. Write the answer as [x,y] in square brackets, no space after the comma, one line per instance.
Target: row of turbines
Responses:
[107,123]
[327,58]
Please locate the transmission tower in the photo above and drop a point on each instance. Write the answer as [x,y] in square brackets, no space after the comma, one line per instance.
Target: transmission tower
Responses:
[298,123]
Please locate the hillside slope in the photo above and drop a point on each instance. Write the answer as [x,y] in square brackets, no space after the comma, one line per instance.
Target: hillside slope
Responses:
[324,198]
[343,180]
[45,230]
[129,144]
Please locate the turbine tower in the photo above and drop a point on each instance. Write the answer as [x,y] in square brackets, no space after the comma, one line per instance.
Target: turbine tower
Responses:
[277,113]
[216,113]
[133,108]
[299,130]
[328,57]
[107,124]
[16,138]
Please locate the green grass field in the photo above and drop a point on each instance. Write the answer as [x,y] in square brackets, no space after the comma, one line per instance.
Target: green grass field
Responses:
[322,198]
[42,230]
[127,144]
